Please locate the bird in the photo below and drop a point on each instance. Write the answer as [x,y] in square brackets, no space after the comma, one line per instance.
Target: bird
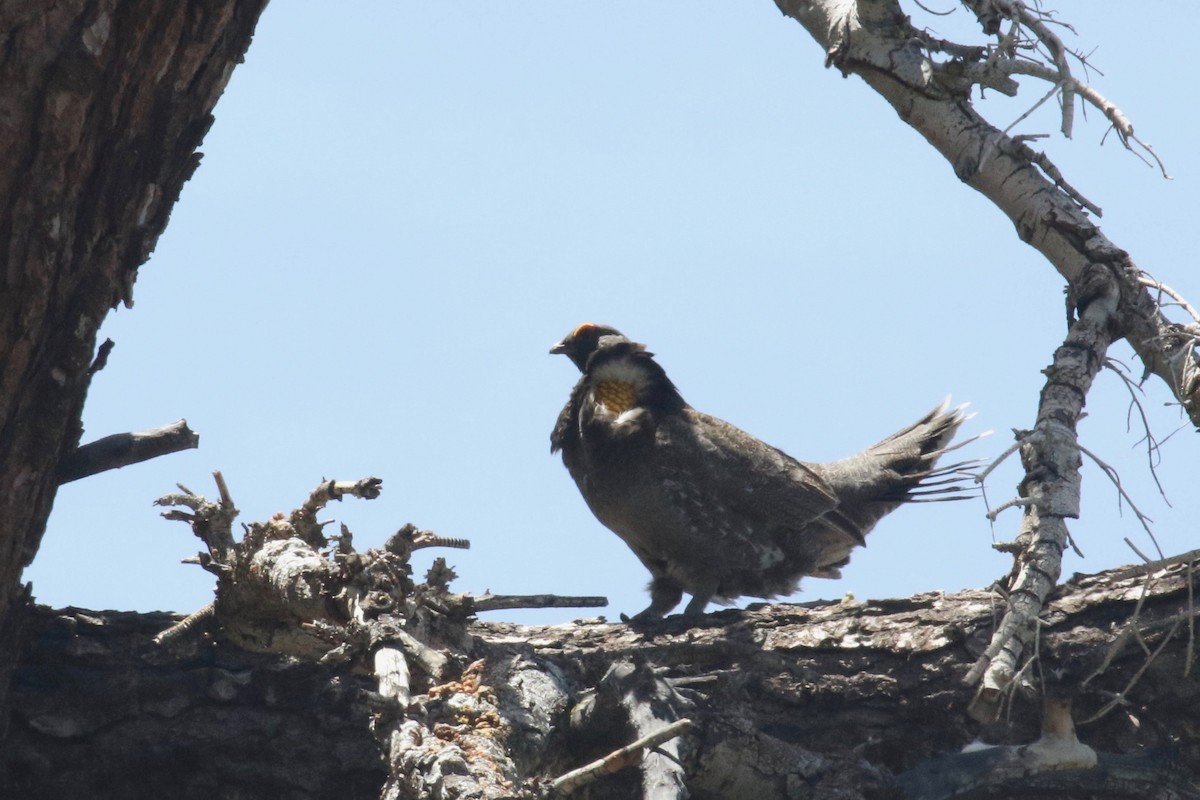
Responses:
[709,509]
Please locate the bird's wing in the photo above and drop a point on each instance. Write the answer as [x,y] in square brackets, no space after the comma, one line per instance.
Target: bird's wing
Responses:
[715,467]
[566,432]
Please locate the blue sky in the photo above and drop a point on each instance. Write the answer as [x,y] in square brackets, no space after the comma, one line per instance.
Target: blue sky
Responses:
[401,206]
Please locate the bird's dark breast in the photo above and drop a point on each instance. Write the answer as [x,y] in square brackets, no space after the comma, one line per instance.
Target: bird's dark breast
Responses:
[609,467]
[614,468]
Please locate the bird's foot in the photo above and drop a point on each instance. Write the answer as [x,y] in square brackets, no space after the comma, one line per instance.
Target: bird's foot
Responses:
[664,596]
[646,618]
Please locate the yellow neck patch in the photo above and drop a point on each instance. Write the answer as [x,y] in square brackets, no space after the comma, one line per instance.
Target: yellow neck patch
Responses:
[616,396]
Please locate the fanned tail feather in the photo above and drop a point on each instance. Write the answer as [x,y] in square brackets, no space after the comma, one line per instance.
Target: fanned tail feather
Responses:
[901,469]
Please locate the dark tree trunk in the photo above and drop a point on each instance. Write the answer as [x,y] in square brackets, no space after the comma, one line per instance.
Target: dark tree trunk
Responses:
[103,103]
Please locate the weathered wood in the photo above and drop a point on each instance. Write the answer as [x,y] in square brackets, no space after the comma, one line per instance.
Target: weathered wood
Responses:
[122,449]
[823,700]
[101,711]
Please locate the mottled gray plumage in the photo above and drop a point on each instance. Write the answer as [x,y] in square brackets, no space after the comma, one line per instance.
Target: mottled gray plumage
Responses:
[706,507]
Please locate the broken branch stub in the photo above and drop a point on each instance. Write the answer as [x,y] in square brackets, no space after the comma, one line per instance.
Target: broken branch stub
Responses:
[122,449]
[278,591]
[284,589]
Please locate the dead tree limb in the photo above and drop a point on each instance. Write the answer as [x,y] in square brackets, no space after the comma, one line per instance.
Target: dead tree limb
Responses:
[631,696]
[498,602]
[875,40]
[828,700]
[283,589]
[122,449]
[1050,455]
[628,755]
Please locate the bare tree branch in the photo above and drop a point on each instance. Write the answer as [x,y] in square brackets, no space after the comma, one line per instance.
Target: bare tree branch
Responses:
[123,449]
[618,759]
[497,602]
[1052,483]
[875,41]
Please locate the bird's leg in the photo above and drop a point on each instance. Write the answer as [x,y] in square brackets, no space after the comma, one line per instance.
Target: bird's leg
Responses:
[698,603]
[665,594]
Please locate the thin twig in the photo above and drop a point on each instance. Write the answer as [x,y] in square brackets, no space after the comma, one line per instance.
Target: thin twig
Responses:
[1162,288]
[929,10]
[627,756]
[1024,151]
[1016,502]
[495,602]
[1017,679]
[1118,644]
[1003,59]
[1116,479]
[1134,548]
[1058,53]
[1021,439]
[1155,566]
[997,138]
[1120,123]
[1189,656]
[1152,445]
[186,624]
[1121,695]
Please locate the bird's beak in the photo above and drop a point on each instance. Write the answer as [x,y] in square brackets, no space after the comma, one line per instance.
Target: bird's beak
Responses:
[558,347]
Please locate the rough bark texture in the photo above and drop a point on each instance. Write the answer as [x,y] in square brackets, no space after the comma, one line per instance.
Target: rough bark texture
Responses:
[102,106]
[103,712]
[827,700]
[1050,491]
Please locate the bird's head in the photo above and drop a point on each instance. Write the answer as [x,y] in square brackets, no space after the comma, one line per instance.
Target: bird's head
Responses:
[581,343]
[622,374]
